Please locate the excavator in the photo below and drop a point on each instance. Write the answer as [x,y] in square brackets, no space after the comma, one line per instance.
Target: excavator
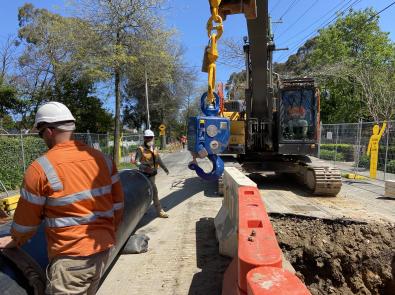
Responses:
[276,126]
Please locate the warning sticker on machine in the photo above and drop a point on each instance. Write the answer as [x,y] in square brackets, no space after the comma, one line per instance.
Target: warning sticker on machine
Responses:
[223,125]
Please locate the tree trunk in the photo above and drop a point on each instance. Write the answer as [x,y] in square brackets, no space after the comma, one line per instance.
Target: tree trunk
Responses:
[117,134]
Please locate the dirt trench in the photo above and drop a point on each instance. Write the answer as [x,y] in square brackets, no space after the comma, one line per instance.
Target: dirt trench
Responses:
[339,256]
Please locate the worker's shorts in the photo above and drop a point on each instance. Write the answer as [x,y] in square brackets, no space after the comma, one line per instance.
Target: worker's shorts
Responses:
[76,275]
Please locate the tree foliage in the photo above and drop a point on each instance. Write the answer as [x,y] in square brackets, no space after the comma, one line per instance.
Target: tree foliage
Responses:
[101,49]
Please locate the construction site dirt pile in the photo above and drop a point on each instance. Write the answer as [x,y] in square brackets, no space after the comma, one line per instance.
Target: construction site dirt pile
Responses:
[339,256]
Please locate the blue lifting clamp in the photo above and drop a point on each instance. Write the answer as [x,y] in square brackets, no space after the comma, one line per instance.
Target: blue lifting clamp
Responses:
[208,136]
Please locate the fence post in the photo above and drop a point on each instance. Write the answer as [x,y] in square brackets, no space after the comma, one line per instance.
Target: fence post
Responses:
[319,140]
[23,152]
[107,140]
[386,149]
[337,138]
[89,139]
[359,137]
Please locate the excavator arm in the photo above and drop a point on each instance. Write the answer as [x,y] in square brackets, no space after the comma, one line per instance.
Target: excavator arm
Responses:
[248,7]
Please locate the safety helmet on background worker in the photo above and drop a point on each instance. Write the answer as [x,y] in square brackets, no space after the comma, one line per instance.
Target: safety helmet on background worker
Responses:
[149,133]
[55,112]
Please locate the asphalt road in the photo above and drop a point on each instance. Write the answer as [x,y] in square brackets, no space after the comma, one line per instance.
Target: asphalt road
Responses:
[183,253]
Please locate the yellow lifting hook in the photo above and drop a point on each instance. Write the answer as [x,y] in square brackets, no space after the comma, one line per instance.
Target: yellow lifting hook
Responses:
[211,52]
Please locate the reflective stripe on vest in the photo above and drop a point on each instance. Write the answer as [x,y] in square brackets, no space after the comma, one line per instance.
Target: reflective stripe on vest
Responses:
[72,221]
[23,228]
[32,198]
[50,173]
[109,163]
[115,178]
[84,195]
[118,206]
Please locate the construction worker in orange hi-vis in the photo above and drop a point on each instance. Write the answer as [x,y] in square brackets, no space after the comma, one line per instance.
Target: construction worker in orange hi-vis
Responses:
[373,148]
[148,161]
[76,191]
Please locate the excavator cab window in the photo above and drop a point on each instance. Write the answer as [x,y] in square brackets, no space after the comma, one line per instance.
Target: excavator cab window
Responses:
[298,109]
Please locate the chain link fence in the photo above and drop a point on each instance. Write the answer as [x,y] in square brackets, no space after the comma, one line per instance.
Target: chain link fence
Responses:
[345,145]
[17,151]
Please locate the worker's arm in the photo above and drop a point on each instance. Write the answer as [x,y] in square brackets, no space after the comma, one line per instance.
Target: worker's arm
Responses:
[29,212]
[117,197]
[138,157]
[161,164]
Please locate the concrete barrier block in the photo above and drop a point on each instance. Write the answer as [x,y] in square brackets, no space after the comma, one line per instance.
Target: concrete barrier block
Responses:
[226,221]
[390,188]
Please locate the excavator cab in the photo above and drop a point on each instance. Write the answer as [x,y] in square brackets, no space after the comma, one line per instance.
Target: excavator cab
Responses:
[297,117]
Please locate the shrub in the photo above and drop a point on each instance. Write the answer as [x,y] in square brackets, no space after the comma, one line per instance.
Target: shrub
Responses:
[346,149]
[11,168]
[364,161]
[107,150]
[331,155]
[391,166]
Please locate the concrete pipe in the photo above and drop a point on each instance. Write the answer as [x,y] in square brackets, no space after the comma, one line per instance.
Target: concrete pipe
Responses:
[23,271]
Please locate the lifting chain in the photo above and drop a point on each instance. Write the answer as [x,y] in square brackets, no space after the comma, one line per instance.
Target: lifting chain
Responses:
[214,32]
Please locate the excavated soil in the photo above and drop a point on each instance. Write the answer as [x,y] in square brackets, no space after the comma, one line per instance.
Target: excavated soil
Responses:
[339,256]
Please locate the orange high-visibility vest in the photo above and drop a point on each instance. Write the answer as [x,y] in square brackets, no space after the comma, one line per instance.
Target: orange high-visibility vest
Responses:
[147,159]
[75,190]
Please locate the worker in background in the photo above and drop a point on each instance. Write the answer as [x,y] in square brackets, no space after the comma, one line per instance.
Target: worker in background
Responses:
[297,123]
[148,161]
[76,191]
[183,141]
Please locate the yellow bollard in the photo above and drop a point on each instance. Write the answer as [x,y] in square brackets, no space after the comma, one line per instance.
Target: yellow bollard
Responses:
[373,148]
[120,148]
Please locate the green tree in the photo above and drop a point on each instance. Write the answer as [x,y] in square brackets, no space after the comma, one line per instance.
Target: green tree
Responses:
[236,85]
[8,98]
[55,49]
[88,110]
[120,25]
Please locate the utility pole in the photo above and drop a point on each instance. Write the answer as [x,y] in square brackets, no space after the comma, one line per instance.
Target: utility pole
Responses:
[146,98]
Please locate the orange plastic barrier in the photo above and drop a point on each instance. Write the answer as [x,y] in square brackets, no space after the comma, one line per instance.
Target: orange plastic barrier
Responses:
[258,268]
[257,241]
[274,281]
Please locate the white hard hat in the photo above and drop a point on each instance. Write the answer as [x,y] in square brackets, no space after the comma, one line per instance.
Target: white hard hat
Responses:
[148,133]
[53,112]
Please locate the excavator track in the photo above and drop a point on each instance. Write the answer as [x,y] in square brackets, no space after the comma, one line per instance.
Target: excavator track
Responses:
[323,180]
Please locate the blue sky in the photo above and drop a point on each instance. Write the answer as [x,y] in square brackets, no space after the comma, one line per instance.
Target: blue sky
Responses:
[189,17]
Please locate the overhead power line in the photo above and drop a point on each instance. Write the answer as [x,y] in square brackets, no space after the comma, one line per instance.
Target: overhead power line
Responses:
[382,10]
[324,24]
[300,17]
[275,6]
[292,4]
[336,8]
